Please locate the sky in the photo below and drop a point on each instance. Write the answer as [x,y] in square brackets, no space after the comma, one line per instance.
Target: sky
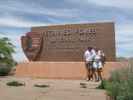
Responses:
[18,16]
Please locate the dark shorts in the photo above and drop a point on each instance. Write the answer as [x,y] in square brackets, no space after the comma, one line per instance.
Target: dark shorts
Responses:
[89,65]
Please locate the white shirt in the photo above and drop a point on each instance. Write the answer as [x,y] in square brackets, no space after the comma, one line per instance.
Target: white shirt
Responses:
[97,62]
[93,53]
[88,56]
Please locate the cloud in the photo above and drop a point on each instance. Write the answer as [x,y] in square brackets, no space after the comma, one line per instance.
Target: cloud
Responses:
[37,8]
[125,4]
[17,16]
[124,38]
[125,28]
[15,22]
[18,13]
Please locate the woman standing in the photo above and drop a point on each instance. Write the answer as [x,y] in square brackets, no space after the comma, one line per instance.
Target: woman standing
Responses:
[97,66]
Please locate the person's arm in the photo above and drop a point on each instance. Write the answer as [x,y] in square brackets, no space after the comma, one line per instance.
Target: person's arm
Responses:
[84,56]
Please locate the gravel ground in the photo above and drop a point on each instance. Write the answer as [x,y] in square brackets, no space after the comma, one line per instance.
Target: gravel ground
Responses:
[57,90]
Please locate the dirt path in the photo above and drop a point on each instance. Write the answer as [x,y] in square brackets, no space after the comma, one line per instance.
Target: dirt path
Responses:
[58,90]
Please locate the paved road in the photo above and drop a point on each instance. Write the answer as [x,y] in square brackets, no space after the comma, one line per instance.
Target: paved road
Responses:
[58,90]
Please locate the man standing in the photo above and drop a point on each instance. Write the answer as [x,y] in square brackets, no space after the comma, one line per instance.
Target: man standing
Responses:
[88,57]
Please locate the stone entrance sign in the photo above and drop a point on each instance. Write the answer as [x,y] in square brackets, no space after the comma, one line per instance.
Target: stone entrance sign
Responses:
[68,42]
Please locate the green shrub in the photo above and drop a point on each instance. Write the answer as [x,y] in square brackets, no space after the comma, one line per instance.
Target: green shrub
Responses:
[102,85]
[15,83]
[4,71]
[41,85]
[6,58]
[120,84]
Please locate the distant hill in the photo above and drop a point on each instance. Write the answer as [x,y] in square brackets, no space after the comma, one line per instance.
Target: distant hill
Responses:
[124,58]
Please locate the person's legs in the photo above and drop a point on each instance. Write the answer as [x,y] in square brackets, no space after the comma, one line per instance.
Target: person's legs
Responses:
[94,73]
[88,71]
[100,74]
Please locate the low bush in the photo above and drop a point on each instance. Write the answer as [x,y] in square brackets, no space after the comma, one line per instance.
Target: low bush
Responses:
[41,85]
[4,71]
[120,84]
[102,85]
[6,57]
[15,83]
